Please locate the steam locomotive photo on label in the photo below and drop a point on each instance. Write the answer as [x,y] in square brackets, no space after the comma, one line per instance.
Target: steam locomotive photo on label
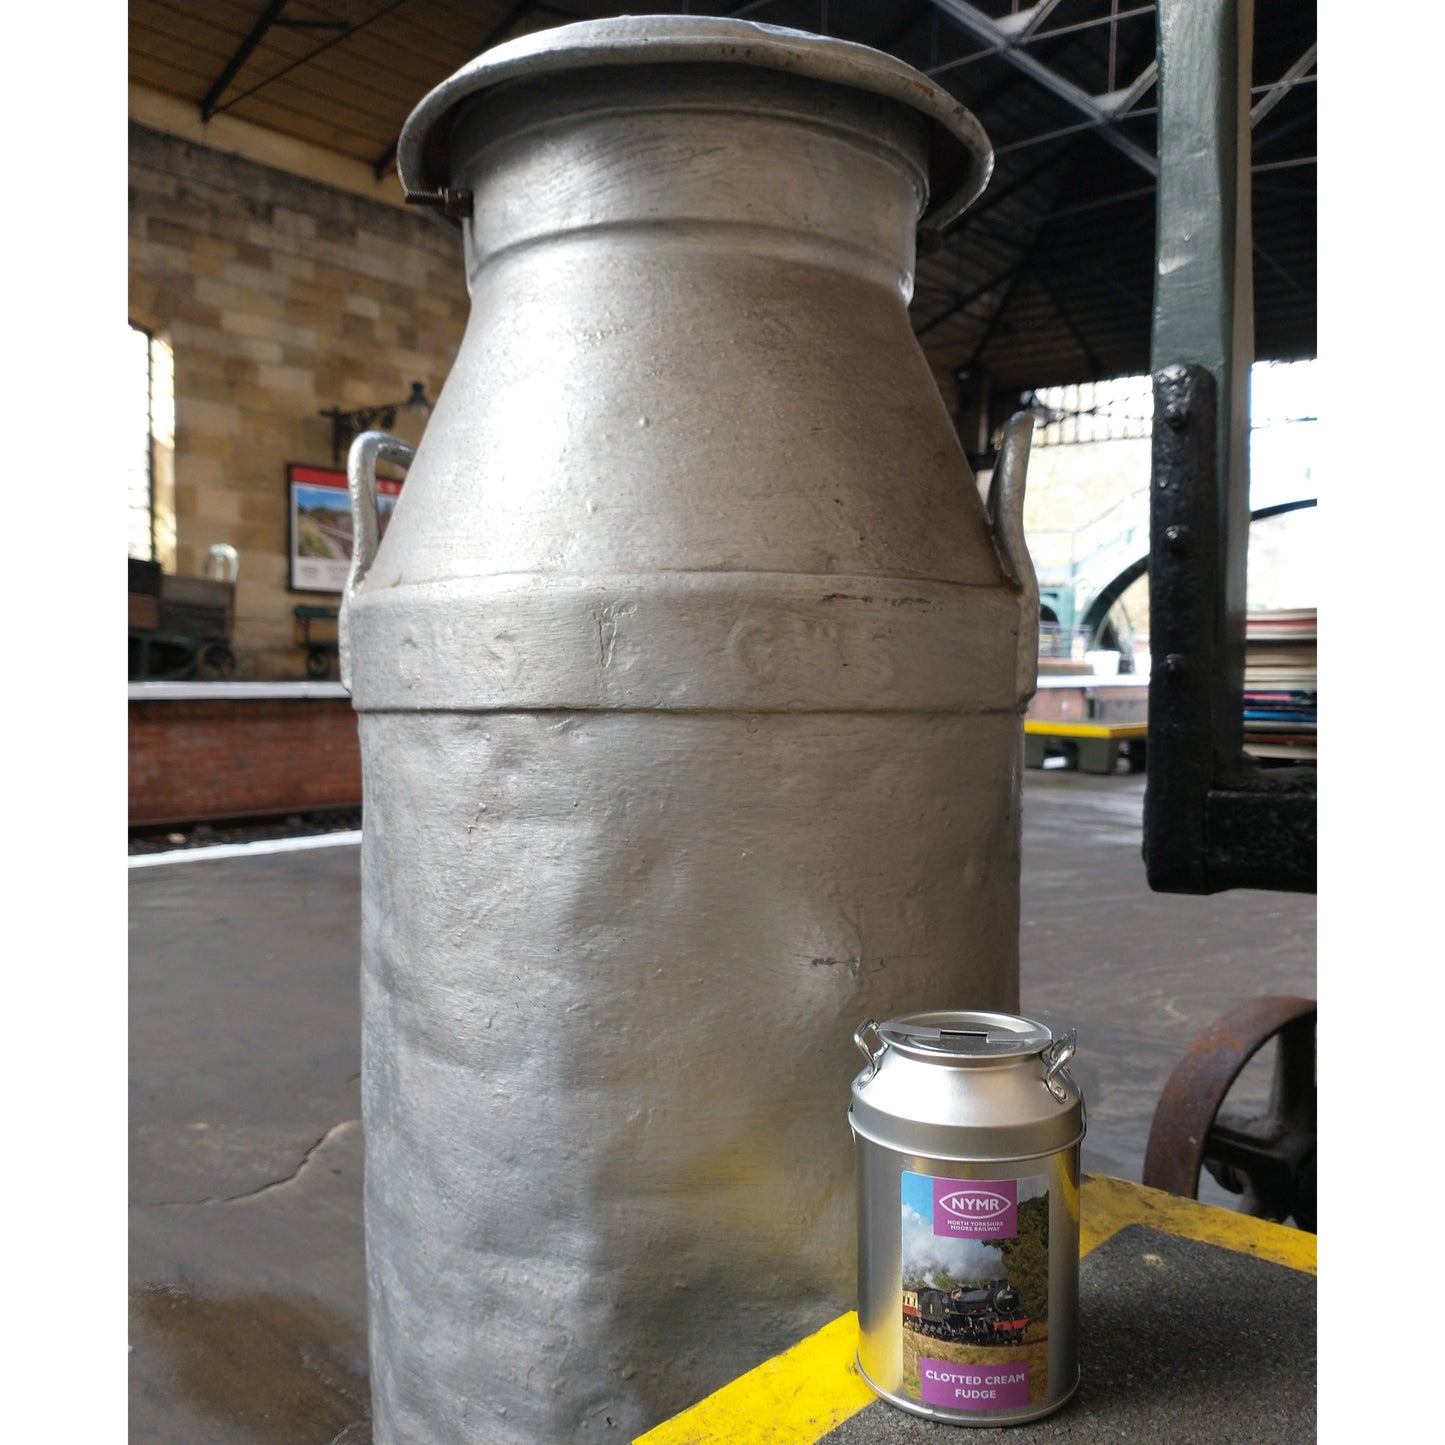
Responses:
[975,1291]
[988,1315]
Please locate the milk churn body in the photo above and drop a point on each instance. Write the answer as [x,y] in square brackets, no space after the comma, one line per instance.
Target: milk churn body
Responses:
[687,676]
[968,1129]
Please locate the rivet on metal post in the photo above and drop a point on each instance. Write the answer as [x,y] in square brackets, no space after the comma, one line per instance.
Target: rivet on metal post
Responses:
[1178,539]
[1177,395]
[1174,664]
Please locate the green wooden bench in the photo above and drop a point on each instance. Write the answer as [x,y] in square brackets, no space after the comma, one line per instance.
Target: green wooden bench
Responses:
[319,650]
[1092,747]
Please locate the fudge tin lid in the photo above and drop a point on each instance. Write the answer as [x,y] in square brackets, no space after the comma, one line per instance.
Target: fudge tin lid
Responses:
[960,157]
[966,1084]
[961,1035]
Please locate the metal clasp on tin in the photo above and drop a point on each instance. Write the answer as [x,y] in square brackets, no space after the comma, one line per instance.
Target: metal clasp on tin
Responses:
[1057,1055]
[872,1044]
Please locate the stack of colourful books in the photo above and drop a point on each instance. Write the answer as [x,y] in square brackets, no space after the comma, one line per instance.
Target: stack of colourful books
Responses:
[1281,683]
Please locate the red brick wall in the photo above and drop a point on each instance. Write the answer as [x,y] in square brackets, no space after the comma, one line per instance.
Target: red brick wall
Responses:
[193,760]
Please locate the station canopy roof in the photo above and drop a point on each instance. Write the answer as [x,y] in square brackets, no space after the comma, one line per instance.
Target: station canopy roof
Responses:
[1046,280]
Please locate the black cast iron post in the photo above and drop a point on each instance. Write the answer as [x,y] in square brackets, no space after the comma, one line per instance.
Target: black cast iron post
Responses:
[1213,819]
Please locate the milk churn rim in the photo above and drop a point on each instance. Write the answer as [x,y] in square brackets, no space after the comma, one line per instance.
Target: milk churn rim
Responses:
[964,1035]
[960,156]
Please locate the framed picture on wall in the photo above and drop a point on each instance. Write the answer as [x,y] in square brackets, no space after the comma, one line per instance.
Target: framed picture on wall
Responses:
[319,513]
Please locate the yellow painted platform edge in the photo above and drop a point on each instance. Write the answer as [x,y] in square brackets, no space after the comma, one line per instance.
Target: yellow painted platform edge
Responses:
[1042,727]
[1112,1204]
[797,1397]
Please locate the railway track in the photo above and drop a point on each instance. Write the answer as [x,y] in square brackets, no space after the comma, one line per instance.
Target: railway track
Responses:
[173,837]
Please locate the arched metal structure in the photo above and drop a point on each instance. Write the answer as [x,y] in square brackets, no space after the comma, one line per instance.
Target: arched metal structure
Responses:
[1096,612]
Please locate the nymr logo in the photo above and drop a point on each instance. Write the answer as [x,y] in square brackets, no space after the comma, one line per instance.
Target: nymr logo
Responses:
[975,1208]
[975,1204]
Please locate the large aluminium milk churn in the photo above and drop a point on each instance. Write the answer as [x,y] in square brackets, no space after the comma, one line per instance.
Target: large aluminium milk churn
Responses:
[689,676]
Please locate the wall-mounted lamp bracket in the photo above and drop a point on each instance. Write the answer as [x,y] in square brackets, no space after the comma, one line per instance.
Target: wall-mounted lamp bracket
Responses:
[348,424]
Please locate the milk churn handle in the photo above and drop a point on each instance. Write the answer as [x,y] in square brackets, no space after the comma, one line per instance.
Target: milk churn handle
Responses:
[1057,1055]
[1006,514]
[369,448]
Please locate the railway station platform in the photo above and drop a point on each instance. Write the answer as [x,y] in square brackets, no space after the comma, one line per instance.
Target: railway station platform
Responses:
[1197,1324]
[246,1279]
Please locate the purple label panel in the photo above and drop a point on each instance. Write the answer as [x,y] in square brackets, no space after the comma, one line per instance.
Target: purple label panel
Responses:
[974,1387]
[976,1208]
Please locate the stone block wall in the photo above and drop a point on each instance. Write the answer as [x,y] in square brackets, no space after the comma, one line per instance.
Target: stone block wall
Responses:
[279,296]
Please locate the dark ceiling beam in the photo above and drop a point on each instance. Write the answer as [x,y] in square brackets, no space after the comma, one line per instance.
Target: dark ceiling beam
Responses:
[1118,198]
[1022,26]
[971,364]
[963,302]
[1285,165]
[1004,280]
[985,28]
[496,33]
[999,194]
[1081,128]
[1108,277]
[243,54]
[1090,357]
[1028,261]
[1278,270]
[1112,19]
[970,223]
[893,39]
[1282,87]
[344,33]
[1123,101]
[1278,130]
[1037,14]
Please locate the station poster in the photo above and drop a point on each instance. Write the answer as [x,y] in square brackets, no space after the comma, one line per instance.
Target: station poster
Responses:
[319,512]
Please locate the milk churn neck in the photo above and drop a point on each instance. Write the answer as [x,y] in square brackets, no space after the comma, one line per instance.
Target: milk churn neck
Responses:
[960,158]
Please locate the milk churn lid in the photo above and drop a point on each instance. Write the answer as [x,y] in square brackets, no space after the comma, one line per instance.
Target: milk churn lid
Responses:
[960,158]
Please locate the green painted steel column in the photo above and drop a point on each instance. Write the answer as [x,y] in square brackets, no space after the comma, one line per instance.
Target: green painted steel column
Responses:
[1204,283]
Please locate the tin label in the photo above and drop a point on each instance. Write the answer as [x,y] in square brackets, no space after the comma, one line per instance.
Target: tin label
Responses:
[975,1291]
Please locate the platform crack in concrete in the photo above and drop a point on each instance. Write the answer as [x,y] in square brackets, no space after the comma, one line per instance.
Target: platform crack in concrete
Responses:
[260,1189]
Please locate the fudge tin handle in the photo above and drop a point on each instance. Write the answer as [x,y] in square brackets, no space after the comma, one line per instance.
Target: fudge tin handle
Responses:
[871,1043]
[1057,1055]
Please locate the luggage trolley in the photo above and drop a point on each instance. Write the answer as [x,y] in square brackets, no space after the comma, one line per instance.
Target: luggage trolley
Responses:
[182,629]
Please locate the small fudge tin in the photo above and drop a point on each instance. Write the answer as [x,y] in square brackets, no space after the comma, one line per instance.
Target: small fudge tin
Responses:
[968,1127]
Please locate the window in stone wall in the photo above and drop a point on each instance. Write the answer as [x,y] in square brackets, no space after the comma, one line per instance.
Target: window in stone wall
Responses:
[140,467]
[150,402]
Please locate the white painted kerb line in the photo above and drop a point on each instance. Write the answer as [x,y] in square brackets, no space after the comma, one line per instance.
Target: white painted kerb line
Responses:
[243,850]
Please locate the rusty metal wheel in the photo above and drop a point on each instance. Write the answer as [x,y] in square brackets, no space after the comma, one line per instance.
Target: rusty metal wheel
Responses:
[217,661]
[1268,1159]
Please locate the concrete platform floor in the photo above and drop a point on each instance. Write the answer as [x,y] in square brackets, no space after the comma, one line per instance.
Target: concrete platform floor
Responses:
[248,1300]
